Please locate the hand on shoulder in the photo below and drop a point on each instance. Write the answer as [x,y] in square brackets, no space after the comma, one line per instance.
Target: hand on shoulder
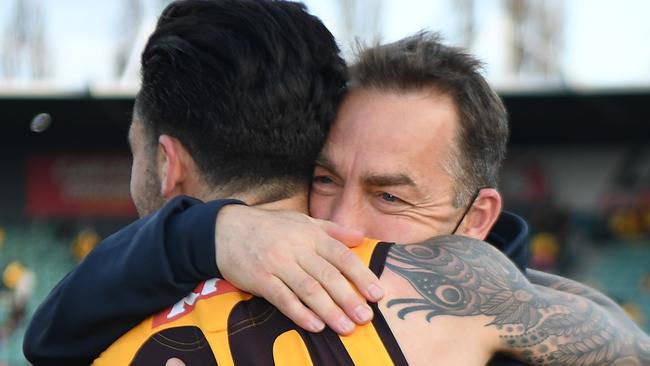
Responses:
[301,265]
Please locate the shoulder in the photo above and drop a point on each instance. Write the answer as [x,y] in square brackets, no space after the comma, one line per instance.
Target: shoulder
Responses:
[204,312]
[451,252]
[445,288]
[463,277]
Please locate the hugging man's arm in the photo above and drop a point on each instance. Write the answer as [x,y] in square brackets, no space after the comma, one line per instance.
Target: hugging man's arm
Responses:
[569,286]
[152,263]
[461,278]
[141,269]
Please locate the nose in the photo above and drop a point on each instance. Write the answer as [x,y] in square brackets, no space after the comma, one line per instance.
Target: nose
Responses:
[348,213]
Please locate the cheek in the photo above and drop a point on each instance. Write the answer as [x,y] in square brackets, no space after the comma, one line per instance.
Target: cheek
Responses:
[134,180]
[143,187]
[399,229]
[320,206]
[386,228]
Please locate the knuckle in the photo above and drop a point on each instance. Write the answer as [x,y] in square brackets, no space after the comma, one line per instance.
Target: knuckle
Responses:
[284,300]
[259,284]
[315,233]
[276,258]
[261,274]
[301,317]
[330,274]
[309,286]
[262,279]
[346,257]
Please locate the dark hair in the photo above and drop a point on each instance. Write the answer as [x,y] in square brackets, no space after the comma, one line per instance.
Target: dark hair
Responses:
[421,62]
[249,87]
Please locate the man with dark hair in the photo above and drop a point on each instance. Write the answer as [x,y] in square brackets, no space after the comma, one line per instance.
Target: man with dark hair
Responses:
[236,101]
[265,124]
[437,292]
[253,118]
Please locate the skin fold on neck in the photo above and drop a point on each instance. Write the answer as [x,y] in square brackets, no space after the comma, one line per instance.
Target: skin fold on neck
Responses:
[297,202]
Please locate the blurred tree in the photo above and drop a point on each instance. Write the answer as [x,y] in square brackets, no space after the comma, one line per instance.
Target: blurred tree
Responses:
[537,35]
[466,25]
[162,4]
[24,45]
[136,24]
[361,19]
[128,29]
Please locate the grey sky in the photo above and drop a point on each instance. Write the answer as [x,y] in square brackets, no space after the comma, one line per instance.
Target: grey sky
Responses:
[605,42]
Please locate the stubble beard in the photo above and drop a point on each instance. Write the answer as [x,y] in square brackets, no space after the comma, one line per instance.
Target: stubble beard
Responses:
[149,199]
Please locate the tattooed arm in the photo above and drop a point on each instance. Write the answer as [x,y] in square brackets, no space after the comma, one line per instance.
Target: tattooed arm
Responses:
[466,278]
[563,284]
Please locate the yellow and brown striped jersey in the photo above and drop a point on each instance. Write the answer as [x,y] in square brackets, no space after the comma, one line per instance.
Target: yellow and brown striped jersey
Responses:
[218,324]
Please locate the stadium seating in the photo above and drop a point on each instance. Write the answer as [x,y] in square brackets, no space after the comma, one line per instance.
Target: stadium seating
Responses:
[38,249]
[619,269]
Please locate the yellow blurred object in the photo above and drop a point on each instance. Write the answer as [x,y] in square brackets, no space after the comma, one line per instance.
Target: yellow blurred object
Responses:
[12,274]
[626,223]
[84,242]
[545,251]
[646,220]
[645,282]
[545,244]
[634,312]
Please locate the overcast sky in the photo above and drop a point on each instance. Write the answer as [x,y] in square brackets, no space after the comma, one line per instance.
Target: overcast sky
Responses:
[605,43]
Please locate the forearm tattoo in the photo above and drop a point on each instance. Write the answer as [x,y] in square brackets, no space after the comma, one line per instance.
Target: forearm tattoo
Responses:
[566,285]
[464,277]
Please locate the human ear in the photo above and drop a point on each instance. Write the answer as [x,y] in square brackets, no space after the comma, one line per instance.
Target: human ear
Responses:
[170,166]
[482,215]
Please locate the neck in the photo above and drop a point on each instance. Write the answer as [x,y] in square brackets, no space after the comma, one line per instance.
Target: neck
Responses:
[297,202]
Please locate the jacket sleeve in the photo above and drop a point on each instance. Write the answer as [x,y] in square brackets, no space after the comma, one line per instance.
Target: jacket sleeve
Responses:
[130,275]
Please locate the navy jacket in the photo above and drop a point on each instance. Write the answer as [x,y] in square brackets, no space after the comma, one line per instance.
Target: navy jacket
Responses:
[509,235]
[144,268]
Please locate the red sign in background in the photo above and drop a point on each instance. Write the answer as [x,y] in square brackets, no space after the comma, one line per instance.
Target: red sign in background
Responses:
[64,185]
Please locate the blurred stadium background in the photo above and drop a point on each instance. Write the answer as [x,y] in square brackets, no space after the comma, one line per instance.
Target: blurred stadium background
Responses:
[575,76]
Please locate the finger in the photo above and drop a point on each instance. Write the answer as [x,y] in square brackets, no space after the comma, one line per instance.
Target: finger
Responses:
[349,237]
[338,288]
[352,268]
[174,362]
[279,295]
[310,291]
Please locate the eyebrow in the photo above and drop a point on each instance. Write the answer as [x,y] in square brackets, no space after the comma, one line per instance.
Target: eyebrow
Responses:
[378,180]
[386,180]
[325,162]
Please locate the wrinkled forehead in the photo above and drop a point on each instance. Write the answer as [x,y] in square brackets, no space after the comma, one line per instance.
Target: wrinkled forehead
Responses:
[394,122]
[385,132]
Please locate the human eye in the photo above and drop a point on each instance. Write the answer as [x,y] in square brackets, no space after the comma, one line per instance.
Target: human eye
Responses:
[322,179]
[388,199]
[324,184]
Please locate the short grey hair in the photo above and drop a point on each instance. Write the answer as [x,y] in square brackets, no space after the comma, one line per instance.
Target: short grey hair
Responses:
[421,62]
